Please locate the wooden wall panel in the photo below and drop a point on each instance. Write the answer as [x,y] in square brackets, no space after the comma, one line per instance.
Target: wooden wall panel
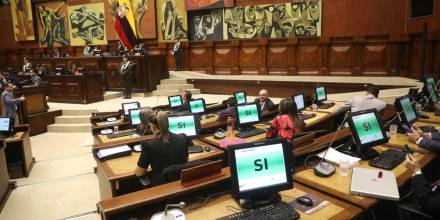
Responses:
[248,57]
[224,58]
[374,58]
[341,58]
[277,62]
[308,59]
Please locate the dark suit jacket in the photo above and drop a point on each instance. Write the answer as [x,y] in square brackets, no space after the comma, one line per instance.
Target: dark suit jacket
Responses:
[268,105]
[424,196]
[431,145]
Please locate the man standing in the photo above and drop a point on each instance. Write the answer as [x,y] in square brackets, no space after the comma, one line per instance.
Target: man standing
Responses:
[9,102]
[177,50]
[126,71]
[264,101]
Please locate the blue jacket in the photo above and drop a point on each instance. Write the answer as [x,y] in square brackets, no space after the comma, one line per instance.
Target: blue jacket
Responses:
[9,104]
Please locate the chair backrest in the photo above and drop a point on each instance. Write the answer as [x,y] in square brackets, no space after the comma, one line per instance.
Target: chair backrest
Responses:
[172,172]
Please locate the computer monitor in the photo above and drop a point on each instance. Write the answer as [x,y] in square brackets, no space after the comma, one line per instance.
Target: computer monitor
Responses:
[134,116]
[240,97]
[188,124]
[259,170]
[320,94]
[300,102]
[247,114]
[404,104]
[175,101]
[431,81]
[197,106]
[430,93]
[6,126]
[129,105]
[367,129]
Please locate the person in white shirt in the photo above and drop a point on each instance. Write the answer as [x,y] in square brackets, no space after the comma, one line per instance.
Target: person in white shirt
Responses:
[364,102]
[264,101]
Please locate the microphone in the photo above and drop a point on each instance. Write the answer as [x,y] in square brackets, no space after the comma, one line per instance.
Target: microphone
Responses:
[174,214]
[324,169]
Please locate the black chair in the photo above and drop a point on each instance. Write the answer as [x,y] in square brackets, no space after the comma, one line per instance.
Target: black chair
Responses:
[170,173]
[416,212]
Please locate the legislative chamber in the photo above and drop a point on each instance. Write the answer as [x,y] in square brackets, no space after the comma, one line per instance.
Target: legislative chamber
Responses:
[220,109]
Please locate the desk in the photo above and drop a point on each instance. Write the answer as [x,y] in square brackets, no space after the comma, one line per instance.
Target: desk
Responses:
[112,172]
[102,139]
[74,89]
[19,148]
[331,110]
[432,118]
[5,185]
[339,186]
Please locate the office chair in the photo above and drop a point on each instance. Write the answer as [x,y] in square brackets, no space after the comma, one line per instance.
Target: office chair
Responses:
[416,212]
[169,174]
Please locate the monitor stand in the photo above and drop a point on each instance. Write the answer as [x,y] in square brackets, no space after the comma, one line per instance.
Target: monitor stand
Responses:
[245,128]
[257,201]
[367,154]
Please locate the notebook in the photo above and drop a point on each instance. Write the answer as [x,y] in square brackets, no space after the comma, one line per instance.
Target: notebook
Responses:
[374,183]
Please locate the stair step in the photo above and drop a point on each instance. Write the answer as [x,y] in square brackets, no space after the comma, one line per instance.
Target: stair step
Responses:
[82,112]
[173,92]
[174,87]
[173,81]
[112,95]
[69,128]
[73,119]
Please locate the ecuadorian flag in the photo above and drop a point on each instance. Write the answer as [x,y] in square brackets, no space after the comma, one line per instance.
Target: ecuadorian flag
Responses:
[125,25]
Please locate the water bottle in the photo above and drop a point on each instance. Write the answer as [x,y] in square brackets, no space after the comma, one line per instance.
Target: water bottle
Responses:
[230,126]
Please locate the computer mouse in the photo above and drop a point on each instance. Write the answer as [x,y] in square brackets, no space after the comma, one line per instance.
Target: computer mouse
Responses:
[207,149]
[303,200]
[137,148]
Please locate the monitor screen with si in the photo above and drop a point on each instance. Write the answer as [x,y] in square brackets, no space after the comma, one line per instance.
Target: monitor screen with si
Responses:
[430,93]
[240,97]
[197,106]
[320,94]
[299,101]
[134,116]
[404,104]
[175,101]
[247,114]
[129,105]
[259,170]
[6,126]
[188,124]
[431,81]
[367,129]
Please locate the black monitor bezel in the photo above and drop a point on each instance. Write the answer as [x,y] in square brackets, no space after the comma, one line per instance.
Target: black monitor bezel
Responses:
[399,108]
[129,115]
[245,97]
[203,103]
[235,190]
[11,126]
[304,101]
[428,95]
[169,101]
[316,93]
[237,116]
[355,135]
[435,83]
[196,122]
[123,110]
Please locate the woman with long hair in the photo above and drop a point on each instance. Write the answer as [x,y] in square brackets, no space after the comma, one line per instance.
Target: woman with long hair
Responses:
[288,122]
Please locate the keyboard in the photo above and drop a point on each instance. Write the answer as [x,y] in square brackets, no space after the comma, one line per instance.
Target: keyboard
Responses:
[281,211]
[121,134]
[250,133]
[307,116]
[195,149]
[388,159]
[326,105]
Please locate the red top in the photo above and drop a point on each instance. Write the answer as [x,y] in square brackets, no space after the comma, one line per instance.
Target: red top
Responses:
[285,127]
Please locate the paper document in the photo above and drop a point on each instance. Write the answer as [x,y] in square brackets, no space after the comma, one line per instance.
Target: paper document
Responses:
[335,156]
[110,151]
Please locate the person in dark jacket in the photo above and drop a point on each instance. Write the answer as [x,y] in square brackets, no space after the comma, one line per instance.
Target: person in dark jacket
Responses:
[177,51]
[426,140]
[186,98]
[126,71]
[164,150]
[425,194]
[264,101]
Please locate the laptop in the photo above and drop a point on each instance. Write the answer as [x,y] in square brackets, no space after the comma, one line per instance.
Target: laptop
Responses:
[374,183]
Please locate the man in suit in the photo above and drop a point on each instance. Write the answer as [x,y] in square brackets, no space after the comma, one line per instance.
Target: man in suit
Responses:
[177,50]
[364,102]
[425,194]
[426,140]
[264,101]
[35,79]
[126,71]
[9,102]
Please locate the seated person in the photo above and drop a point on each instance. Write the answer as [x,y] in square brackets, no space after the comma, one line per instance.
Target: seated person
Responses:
[364,102]
[264,101]
[186,97]
[35,79]
[164,150]
[3,82]
[229,111]
[146,116]
[75,71]
[287,123]
[87,51]
[424,194]
[27,66]
[429,141]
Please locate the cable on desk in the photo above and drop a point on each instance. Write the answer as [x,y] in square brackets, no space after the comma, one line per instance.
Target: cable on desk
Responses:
[204,200]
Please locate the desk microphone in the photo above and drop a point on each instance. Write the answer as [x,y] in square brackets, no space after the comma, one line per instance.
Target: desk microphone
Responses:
[324,169]
[173,214]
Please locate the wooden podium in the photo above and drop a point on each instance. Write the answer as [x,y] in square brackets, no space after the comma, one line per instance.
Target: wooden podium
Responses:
[74,89]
